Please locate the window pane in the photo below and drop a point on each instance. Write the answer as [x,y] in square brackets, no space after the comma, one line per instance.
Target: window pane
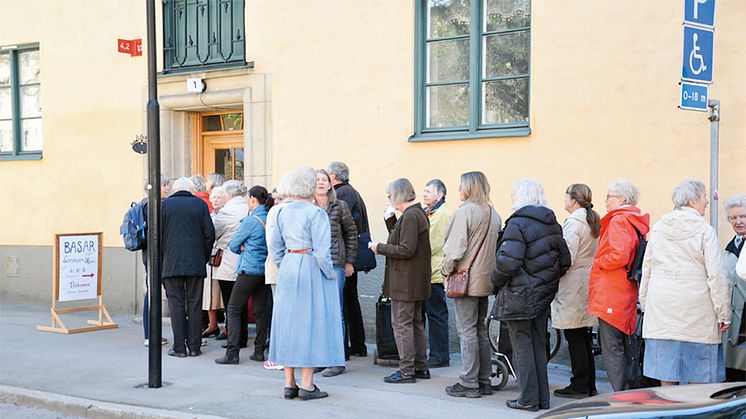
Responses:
[506,54]
[211,123]
[4,69]
[232,121]
[448,18]
[5,103]
[506,14]
[239,163]
[448,60]
[32,135]
[505,101]
[30,69]
[6,136]
[30,101]
[448,106]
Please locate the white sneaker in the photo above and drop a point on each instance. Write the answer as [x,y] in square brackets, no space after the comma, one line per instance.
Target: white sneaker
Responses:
[164,341]
[269,365]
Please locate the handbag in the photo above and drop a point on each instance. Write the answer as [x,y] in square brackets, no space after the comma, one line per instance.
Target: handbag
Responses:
[365,260]
[216,258]
[457,283]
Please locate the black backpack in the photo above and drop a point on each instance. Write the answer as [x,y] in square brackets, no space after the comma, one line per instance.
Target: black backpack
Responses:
[634,270]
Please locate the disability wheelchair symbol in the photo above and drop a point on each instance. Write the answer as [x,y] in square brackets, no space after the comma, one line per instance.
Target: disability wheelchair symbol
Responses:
[694,56]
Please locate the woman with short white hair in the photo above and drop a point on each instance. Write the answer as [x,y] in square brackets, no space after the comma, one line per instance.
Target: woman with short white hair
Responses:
[306,326]
[531,258]
[212,301]
[684,294]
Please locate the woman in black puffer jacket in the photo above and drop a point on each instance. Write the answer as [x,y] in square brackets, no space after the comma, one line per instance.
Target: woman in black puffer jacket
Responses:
[531,258]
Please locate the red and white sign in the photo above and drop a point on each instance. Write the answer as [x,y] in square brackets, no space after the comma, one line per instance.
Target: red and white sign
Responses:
[131,47]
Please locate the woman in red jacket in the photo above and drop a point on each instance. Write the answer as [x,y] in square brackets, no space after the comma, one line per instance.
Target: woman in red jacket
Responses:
[612,297]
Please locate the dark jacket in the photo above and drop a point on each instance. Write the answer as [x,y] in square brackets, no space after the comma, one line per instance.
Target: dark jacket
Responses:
[354,201]
[344,234]
[187,235]
[407,252]
[531,258]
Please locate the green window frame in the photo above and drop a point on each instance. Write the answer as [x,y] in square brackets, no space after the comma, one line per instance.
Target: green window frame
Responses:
[477,64]
[21,133]
[202,35]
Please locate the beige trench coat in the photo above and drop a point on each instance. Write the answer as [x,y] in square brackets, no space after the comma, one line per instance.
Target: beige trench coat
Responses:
[570,305]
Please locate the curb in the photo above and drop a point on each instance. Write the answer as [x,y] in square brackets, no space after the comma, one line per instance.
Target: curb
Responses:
[87,408]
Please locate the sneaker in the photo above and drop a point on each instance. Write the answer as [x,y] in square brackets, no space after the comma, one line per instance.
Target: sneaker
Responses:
[485,389]
[333,371]
[164,341]
[457,390]
[398,378]
[269,365]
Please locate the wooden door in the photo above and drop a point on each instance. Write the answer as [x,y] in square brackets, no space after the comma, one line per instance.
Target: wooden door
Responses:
[220,147]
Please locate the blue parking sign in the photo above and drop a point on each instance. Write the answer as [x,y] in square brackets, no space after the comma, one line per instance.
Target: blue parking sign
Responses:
[700,12]
[698,54]
[694,97]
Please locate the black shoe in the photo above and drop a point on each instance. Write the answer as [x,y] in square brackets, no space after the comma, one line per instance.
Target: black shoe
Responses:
[257,356]
[515,404]
[443,364]
[221,336]
[333,371]
[311,395]
[227,360]
[195,353]
[318,369]
[362,353]
[399,378]
[457,390]
[425,375]
[291,393]
[485,389]
[171,352]
[571,392]
[207,334]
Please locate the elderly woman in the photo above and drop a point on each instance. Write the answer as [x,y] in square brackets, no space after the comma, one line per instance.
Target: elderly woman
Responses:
[200,190]
[684,294]
[470,242]
[570,307]
[212,301]
[344,241]
[226,223]
[611,296]
[306,326]
[531,258]
[407,280]
[733,346]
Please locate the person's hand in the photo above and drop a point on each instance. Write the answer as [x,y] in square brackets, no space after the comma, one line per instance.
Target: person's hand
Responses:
[349,270]
[388,212]
[373,246]
[241,247]
[723,326]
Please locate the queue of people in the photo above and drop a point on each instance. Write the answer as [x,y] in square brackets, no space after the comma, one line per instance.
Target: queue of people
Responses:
[296,260]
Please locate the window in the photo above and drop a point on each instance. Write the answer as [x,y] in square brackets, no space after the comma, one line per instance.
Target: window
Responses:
[203,34]
[20,104]
[472,69]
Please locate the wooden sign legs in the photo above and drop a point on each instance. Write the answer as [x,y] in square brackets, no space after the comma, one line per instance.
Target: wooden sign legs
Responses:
[59,327]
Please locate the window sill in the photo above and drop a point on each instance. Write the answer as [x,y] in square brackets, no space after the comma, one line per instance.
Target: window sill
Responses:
[20,157]
[461,135]
[205,69]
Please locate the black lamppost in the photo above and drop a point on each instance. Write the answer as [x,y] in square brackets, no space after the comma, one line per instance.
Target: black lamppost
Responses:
[154,209]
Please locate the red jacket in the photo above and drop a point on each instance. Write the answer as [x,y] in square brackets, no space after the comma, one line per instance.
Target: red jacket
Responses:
[611,296]
[205,196]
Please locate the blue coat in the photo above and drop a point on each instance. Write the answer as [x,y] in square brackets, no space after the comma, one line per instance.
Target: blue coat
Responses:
[252,235]
[187,235]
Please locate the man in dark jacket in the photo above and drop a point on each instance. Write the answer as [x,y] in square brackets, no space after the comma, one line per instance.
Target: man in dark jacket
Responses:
[340,176]
[531,258]
[187,238]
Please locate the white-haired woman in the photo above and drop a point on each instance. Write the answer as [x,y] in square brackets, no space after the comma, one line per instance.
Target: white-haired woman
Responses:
[212,301]
[611,296]
[531,258]
[306,326]
[684,294]
[734,210]
[470,243]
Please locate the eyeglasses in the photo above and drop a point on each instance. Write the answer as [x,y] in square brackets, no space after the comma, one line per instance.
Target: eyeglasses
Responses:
[609,196]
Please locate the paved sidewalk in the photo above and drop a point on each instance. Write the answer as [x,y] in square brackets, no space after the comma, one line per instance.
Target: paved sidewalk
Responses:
[106,367]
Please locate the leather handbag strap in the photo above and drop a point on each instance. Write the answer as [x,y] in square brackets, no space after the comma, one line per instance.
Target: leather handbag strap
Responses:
[260,220]
[481,243]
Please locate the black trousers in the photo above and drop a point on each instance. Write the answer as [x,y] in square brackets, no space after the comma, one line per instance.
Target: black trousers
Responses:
[184,294]
[579,343]
[248,286]
[529,340]
[355,329]
[615,353]
[226,289]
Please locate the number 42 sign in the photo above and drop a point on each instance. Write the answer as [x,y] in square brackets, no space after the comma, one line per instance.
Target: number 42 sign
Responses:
[131,47]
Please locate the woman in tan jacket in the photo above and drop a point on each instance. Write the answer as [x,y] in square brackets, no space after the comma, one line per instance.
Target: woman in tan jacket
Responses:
[684,294]
[470,244]
[570,306]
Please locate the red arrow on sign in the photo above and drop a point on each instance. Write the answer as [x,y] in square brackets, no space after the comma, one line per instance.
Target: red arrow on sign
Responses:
[88,275]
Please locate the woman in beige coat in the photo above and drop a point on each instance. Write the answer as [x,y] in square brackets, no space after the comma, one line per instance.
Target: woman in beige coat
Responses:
[684,294]
[570,306]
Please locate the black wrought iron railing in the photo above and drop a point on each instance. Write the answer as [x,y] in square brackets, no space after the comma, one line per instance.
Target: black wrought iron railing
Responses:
[203,33]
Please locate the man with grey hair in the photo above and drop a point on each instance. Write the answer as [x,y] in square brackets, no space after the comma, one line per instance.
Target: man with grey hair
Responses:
[734,340]
[187,239]
[339,174]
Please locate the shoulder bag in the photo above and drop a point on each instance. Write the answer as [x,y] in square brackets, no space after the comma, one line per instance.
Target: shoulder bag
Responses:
[457,283]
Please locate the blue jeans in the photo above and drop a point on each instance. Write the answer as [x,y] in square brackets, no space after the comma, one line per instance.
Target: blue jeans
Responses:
[145,318]
[340,273]
[436,312]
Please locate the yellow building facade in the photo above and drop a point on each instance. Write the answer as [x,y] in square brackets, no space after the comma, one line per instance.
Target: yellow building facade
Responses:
[344,80]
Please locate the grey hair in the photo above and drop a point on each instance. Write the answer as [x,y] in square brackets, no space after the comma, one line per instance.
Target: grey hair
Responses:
[401,191]
[214,179]
[625,189]
[298,183]
[199,183]
[234,188]
[735,201]
[165,180]
[528,192]
[339,170]
[217,190]
[688,190]
[183,184]
[440,187]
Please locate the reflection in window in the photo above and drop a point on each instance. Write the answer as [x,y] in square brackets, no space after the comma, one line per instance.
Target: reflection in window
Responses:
[229,162]
[20,103]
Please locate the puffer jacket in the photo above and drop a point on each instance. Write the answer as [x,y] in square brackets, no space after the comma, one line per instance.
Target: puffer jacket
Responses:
[252,236]
[226,223]
[531,258]
[684,289]
[344,233]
